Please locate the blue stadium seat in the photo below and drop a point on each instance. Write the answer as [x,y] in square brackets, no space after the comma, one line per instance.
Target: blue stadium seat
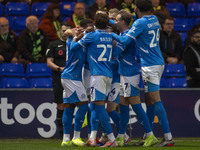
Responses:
[193,9]
[19,23]
[10,82]
[1,10]
[40,82]
[176,9]
[174,70]
[16,8]
[38,70]
[183,36]
[176,82]
[182,24]
[67,8]
[38,9]
[12,70]
[163,83]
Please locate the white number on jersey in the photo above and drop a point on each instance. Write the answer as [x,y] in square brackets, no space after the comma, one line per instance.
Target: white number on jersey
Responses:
[155,35]
[101,57]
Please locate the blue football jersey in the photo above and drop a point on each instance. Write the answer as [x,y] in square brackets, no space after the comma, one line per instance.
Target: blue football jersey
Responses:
[99,52]
[146,31]
[128,65]
[115,68]
[75,60]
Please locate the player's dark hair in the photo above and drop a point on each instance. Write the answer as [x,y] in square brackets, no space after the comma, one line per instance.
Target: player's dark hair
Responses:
[101,20]
[144,5]
[125,16]
[65,24]
[84,23]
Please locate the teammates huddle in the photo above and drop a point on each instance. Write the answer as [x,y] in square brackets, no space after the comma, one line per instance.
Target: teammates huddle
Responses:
[111,70]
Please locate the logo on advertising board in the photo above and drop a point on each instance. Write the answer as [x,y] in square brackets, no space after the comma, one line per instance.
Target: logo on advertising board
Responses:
[196,110]
[25,114]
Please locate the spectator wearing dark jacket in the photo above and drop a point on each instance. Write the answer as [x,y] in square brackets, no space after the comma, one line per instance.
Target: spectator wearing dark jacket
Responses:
[7,43]
[32,42]
[192,60]
[99,5]
[170,42]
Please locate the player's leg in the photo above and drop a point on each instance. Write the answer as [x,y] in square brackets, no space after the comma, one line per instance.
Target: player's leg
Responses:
[124,118]
[100,85]
[113,102]
[153,100]
[86,84]
[79,97]
[67,114]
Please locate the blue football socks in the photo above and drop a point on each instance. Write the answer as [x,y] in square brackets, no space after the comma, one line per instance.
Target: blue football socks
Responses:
[142,117]
[114,115]
[124,118]
[67,120]
[80,116]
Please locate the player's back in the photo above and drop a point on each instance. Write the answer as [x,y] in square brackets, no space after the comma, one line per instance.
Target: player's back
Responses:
[128,65]
[148,40]
[75,60]
[99,53]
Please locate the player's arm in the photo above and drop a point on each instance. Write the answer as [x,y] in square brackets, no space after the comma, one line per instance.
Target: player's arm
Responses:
[87,39]
[118,49]
[125,40]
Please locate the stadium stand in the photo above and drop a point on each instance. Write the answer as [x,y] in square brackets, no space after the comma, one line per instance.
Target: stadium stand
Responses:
[12,70]
[182,24]
[40,82]
[38,70]
[38,9]
[67,8]
[183,36]
[176,9]
[193,9]
[16,8]
[8,82]
[176,82]
[1,10]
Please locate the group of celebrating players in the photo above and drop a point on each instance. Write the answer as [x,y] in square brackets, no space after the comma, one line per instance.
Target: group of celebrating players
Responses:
[101,65]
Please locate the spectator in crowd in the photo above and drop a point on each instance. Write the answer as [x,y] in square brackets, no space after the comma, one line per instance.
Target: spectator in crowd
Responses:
[192,60]
[78,15]
[32,42]
[99,5]
[185,2]
[56,60]
[170,42]
[190,32]
[127,5]
[50,22]
[160,11]
[87,3]
[8,40]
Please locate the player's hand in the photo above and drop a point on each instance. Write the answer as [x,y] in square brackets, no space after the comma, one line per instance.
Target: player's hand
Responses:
[69,32]
[89,29]
[114,43]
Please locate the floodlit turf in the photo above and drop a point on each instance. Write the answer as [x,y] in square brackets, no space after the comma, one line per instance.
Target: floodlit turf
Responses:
[54,144]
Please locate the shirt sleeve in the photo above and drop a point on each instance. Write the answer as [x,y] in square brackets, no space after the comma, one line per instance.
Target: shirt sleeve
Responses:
[49,51]
[136,29]
[86,39]
[125,40]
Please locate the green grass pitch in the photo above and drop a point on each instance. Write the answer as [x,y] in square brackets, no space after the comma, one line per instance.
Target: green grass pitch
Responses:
[54,144]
